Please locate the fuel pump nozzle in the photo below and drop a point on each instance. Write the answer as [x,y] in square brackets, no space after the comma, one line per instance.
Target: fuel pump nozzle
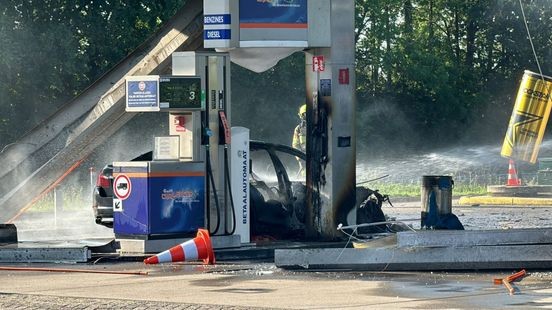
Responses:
[225,138]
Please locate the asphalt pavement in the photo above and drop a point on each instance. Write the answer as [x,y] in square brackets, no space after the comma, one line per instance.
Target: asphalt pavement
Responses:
[254,285]
[480,217]
[257,286]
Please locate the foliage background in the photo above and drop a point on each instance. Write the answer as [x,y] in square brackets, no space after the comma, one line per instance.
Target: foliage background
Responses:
[430,73]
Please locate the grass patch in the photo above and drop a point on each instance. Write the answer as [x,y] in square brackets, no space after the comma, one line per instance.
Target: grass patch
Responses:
[414,190]
[74,198]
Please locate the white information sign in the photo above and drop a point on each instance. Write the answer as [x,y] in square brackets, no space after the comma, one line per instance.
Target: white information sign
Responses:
[142,93]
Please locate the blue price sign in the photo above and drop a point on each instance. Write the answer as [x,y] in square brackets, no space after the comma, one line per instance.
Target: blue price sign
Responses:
[142,93]
[276,13]
[220,19]
[217,34]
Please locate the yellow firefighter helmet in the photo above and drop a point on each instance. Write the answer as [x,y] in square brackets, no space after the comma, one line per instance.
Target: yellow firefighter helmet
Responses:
[302,110]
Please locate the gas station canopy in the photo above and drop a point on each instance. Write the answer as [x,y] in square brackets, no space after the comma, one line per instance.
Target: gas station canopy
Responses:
[257,34]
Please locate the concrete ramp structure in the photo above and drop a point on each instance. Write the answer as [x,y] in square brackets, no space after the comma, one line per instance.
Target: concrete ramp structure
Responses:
[62,141]
[432,250]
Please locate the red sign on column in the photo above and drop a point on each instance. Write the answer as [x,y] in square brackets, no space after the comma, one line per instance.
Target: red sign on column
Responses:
[318,63]
[180,123]
[227,132]
[344,76]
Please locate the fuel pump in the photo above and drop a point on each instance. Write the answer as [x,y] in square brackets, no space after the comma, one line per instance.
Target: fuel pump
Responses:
[212,136]
[187,185]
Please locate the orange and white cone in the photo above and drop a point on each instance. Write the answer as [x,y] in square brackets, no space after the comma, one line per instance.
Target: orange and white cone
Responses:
[513,179]
[198,248]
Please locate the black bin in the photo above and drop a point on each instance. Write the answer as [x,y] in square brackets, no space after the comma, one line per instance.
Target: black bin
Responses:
[442,186]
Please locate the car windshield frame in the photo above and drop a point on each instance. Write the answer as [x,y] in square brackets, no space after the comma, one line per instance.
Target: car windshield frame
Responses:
[284,183]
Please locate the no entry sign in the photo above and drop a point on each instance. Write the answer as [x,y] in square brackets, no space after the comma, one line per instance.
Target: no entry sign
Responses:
[122,186]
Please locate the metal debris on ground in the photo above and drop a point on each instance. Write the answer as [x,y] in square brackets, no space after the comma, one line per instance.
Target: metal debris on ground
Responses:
[359,239]
[508,280]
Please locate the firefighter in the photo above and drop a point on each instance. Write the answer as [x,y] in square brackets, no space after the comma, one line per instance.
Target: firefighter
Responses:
[300,132]
[300,135]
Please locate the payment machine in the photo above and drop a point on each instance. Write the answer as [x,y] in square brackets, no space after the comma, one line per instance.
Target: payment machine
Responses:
[158,198]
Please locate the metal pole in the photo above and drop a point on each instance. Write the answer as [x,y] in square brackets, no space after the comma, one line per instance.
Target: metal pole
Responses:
[58,203]
[92,171]
[331,147]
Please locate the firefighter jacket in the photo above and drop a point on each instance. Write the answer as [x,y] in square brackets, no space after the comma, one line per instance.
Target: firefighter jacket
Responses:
[300,137]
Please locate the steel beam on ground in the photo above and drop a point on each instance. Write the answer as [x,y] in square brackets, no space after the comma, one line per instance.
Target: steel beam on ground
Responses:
[418,259]
[464,238]
[78,127]
[44,255]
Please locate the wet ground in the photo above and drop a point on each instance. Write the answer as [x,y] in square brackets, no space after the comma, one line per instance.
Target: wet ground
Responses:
[478,217]
[251,285]
[74,224]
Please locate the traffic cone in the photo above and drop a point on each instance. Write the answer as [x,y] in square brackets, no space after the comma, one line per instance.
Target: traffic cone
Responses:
[513,179]
[197,248]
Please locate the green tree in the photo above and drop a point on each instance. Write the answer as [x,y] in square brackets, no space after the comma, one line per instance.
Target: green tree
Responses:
[52,49]
[268,102]
[447,68]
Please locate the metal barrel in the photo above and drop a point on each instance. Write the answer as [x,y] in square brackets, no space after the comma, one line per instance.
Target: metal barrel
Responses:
[442,186]
[529,118]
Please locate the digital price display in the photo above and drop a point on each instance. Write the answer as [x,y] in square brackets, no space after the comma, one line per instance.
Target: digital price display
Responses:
[180,93]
